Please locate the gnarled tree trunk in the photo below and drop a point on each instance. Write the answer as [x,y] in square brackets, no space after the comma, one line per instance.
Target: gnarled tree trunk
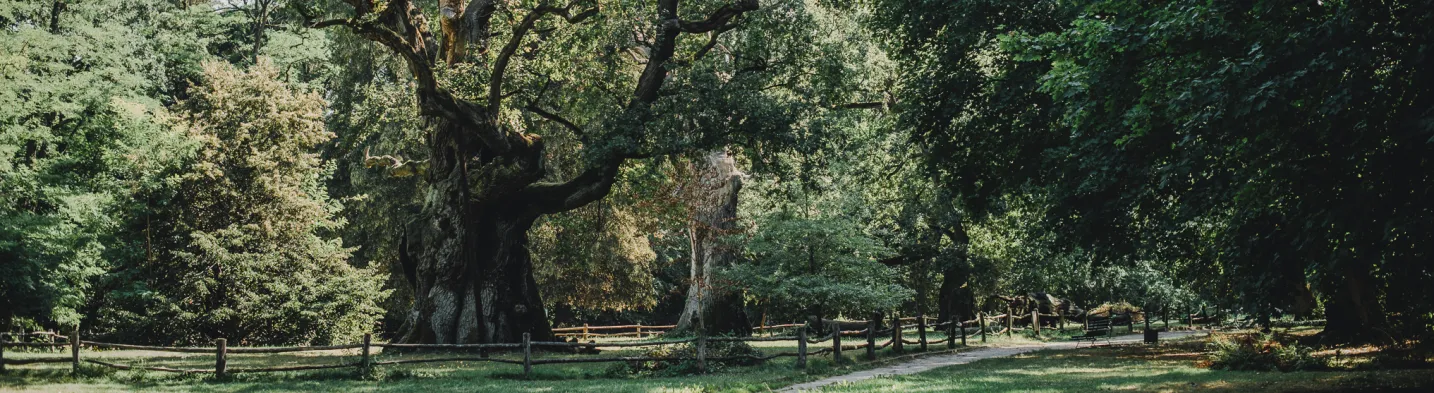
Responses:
[714,200]
[466,253]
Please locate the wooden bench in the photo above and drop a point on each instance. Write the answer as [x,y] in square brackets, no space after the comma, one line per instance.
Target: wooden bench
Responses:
[1095,330]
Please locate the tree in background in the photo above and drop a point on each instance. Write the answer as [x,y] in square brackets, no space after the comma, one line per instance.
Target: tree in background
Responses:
[256,258]
[713,198]
[83,145]
[1255,147]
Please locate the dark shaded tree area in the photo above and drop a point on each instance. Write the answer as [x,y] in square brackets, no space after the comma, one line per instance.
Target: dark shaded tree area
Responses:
[1258,146]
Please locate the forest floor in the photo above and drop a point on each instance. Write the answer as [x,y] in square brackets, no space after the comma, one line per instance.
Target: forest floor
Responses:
[1169,367]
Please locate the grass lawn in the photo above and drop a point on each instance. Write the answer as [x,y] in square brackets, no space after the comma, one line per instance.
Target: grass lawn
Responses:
[428,377]
[1169,368]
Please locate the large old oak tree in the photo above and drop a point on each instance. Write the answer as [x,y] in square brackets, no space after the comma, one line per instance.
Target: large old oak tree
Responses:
[486,181]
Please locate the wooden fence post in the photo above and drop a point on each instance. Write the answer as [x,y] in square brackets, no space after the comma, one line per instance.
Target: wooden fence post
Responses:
[367,366]
[585,332]
[701,349]
[961,328]
[951,327]
[527,355]
[221,347]
[639,331]
[75,350]
[1036,321]
[836,342]
[802,347]
[896,344]
[871,336]
[981,319]
[1010,320]
[921,330]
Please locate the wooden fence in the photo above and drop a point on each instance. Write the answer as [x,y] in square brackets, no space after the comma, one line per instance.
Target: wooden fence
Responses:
[955,331]
[221,350]
[585,332]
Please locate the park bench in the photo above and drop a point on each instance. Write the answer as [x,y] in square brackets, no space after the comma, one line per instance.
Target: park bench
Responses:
[1095,330]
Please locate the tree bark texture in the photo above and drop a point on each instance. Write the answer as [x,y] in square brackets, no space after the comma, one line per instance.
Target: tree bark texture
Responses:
[465,254]
[956,296]
[1352,309]
[714,215]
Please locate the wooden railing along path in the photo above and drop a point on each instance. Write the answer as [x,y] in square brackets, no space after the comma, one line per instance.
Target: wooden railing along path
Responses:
[893,336]
[221,350]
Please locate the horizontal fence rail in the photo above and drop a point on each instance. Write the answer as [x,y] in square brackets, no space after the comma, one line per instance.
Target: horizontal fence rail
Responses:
[871,338]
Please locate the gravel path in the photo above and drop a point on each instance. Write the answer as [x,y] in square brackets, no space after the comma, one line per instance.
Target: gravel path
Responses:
[931,362]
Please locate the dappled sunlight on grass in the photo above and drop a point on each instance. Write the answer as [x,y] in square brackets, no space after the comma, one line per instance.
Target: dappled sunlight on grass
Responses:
[423,377]
[992,379]
[1129,368]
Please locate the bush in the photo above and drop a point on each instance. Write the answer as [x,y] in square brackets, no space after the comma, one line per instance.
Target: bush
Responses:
[684,365]
[1263,353]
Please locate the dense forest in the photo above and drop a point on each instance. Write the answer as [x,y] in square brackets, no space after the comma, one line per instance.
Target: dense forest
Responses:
[467,171]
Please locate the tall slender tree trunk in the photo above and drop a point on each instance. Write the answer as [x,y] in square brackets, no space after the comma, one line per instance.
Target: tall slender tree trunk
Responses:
[714,200]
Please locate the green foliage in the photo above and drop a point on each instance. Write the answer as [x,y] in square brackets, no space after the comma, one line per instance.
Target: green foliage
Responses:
[255,260]
[822,265]
[1262,353]
[743,352]
[1252,147]
[81,141]
[595,257]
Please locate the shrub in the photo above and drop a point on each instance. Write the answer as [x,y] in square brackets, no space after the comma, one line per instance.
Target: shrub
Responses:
[681,362]
[1263,353]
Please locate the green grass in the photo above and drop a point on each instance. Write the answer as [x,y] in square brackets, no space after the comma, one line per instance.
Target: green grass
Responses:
[428,377]
[1169,368]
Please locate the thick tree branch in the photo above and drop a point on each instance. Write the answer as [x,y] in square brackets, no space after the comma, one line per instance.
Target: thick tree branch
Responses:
[597,180]
[401,27]
[862,105]
[451,20]
[712,41]
[665,43]
[553,117]
[718,18]
[591,185]
[500,65]
[477,20]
